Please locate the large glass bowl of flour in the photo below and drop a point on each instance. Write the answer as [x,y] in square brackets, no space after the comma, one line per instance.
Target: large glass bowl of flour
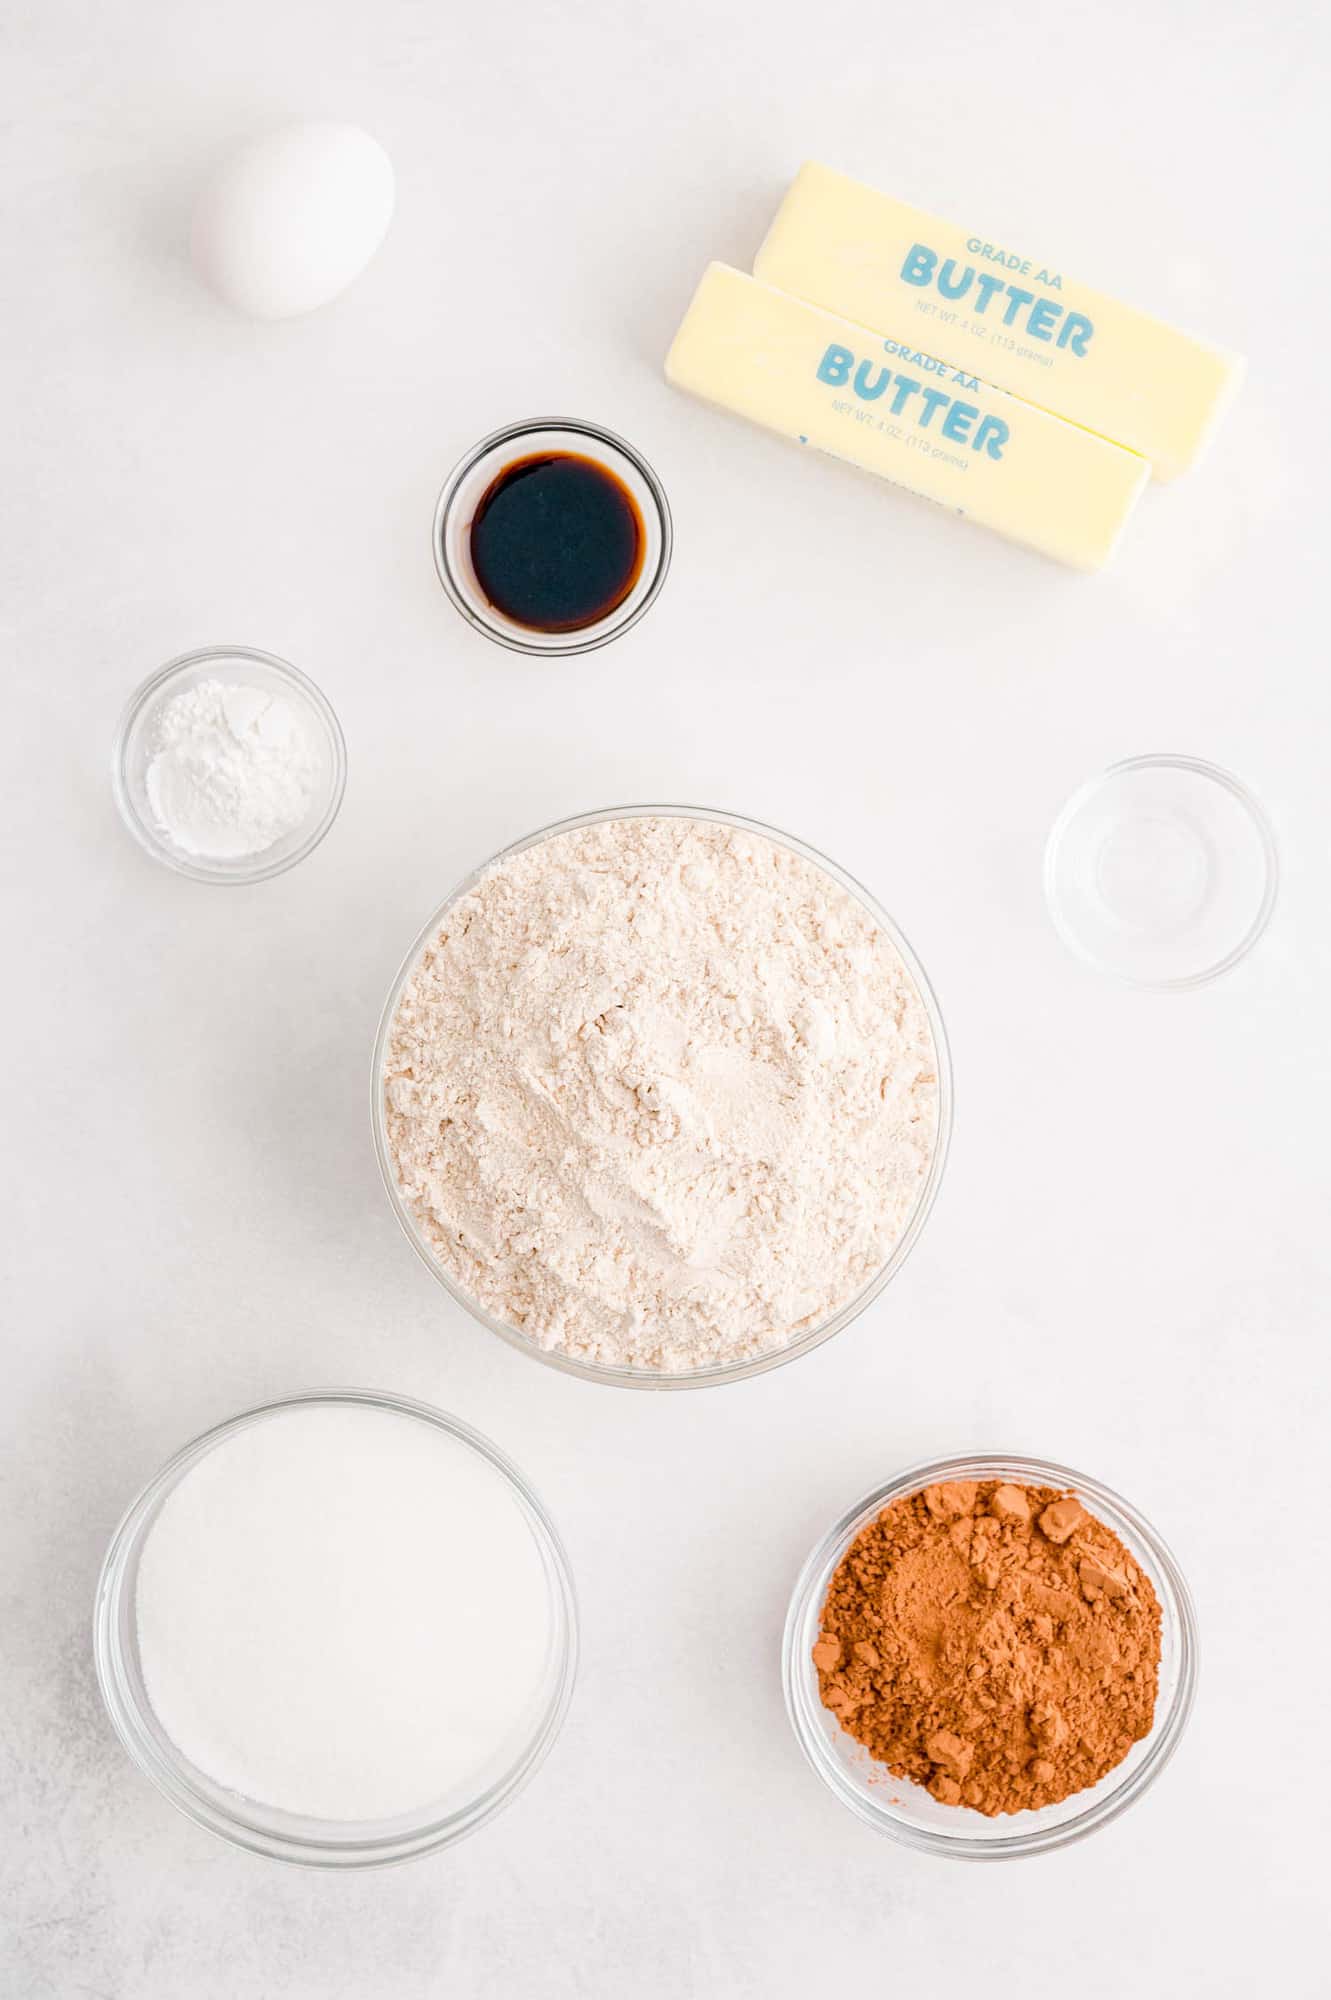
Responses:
[661,1096]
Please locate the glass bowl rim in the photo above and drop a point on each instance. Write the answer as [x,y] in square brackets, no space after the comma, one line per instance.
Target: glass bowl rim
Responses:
[718,1373]
[427,1834]
[589,638]
[1200,767]
[152,689]
[1177,1610]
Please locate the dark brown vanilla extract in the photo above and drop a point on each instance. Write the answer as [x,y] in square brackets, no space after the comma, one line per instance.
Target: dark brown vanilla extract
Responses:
[557,542]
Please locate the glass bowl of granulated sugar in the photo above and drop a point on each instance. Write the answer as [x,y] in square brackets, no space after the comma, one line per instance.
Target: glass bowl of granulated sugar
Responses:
[662,1097]
[229,765]
[339,1629]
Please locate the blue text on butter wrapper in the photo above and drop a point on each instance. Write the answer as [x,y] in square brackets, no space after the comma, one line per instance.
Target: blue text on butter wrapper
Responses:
[990,437]
[922,267]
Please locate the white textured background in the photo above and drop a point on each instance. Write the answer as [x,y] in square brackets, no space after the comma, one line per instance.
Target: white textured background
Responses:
[1127,1268]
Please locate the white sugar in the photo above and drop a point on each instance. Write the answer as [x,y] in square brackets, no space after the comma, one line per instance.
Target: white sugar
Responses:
[343,1611]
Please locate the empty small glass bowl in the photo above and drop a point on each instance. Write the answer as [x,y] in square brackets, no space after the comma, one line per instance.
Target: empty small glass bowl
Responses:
[906,1811]
[135,747]
[1161,871]
[268,1830]
[716,1372]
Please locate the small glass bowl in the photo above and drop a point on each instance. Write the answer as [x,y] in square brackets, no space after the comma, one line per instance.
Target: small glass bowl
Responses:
[717,1372]
[1161,871]
[471,479]
[133,752]
[906,1811]
[267,1830]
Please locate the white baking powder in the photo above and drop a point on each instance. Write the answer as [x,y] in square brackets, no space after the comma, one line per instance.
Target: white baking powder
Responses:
[232,771]
[661,1093]
[343,1611]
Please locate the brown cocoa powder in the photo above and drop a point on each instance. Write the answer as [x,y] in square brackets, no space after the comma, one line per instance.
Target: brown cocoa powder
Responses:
[994,1642]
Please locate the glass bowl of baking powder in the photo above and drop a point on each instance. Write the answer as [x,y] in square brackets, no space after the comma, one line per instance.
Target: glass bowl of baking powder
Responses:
[906,1811]
[719,1371]
[229,765]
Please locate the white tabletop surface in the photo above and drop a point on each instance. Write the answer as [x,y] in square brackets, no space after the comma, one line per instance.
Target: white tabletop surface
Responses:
[1127,1266]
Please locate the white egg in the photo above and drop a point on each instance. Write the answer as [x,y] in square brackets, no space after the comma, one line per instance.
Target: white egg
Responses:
[292,218]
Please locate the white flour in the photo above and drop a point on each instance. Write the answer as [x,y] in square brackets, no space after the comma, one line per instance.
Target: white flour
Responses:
[233,770]
[661,1094]
[342,1611]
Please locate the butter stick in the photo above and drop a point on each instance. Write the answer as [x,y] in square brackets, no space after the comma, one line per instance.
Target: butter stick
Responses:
[902,413]
[1016,318]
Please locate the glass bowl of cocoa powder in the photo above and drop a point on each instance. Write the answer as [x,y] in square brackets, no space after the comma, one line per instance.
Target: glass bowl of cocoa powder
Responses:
[990,1626]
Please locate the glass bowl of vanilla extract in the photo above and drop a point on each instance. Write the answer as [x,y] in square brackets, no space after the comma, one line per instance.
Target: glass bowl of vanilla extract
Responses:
[552,536]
